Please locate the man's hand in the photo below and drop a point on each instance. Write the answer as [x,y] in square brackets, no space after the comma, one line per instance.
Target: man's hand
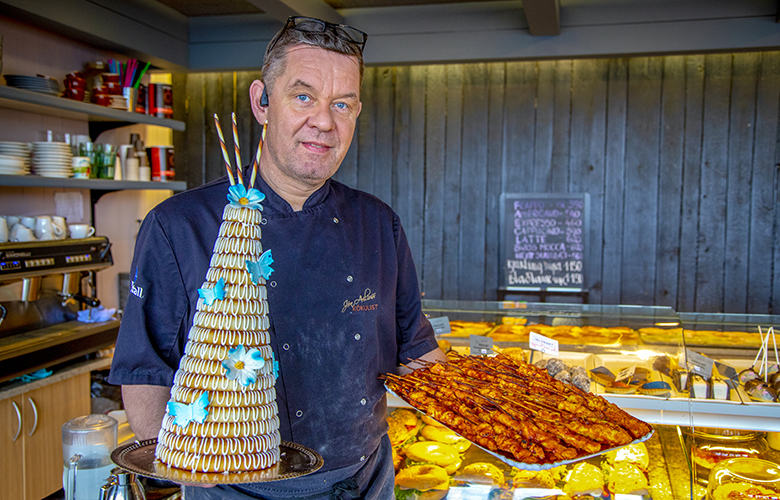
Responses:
[433,356]
[145,408]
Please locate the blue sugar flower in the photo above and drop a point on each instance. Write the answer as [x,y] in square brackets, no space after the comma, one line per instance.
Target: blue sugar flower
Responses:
[238,196]
[243,365]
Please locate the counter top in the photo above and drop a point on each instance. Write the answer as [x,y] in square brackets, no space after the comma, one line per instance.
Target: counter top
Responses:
[17,387]
[35,340]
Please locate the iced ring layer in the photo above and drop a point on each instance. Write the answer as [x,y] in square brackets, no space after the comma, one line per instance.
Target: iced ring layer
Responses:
[235,307]
[222,429]
[211,368]
[241,246]
[232,276]
[225,398]
[239,230]
[224,322]
[224,414]
[241,292]
[228,337]
[219,446]
[220,383]
[217,463]
[220,352]
[243,214]
[231,261]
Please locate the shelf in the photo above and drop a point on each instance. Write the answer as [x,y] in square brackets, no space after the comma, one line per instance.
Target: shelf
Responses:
[100,117]
[93,184]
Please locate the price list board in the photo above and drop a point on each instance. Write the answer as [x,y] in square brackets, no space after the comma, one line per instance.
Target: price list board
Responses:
[543,241]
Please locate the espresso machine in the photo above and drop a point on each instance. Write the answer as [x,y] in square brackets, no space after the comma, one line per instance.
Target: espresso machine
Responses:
[43,286]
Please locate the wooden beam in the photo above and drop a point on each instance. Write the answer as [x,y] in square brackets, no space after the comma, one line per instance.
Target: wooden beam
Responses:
[282,9]
[719,35]
[544,17]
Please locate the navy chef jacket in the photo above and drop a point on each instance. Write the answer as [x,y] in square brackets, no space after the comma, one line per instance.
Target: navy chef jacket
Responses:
[343,298]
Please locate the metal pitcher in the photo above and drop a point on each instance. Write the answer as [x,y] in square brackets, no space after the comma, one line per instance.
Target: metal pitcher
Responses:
[122,485]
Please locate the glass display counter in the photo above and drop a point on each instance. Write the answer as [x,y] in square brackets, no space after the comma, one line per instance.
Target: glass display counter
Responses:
[639,358]
[656,469]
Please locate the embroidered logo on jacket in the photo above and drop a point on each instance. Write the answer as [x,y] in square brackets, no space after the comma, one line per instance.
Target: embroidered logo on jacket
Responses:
[136,290]
[360,304]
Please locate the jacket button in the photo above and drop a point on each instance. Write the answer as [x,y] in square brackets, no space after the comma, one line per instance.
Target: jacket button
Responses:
[363,401]
[263,221]
[349,278]
[299,413]
[286,347]
[273,284]
[335,220]
[363,458]
[357,336]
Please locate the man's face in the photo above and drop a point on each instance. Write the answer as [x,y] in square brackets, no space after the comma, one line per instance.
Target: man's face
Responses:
[313,107]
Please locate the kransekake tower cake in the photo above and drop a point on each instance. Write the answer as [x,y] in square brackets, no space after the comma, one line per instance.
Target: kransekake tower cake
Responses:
[222,415]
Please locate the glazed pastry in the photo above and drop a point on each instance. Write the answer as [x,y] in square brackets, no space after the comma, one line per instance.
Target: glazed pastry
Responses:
[699,387]
[554,366]
[620,388]
[747,375]
[579,370]
[680,379]
[581,381]
[761,392]
[563,376]
[720,389]
[602,375]
[663,364]
[655,389]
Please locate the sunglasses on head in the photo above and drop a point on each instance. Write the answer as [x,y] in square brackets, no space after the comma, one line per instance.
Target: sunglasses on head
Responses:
[312,25]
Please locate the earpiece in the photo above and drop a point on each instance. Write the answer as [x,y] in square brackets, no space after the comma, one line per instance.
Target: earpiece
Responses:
[264,98]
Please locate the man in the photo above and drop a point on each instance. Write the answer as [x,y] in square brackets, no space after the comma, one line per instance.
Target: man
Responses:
[344,300]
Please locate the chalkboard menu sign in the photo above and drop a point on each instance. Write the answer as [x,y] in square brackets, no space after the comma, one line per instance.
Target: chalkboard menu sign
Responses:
[543,241]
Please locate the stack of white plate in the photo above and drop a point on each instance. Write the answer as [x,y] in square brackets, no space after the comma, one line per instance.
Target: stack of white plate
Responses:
[52,159]
[118,102]
[19,150]
[40,84]
[11,165]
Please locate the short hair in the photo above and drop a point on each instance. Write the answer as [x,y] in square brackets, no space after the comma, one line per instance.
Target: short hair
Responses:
[276,53]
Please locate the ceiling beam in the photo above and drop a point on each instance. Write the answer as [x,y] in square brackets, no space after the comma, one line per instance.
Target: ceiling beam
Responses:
[141,29]
[282,9]
[543,16]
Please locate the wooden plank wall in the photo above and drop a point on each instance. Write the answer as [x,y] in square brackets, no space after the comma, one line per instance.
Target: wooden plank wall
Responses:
[679,155]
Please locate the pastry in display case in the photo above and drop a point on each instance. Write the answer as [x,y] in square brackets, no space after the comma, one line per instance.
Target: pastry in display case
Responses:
[675,371]
[710,446]
[747,478]
[430,469]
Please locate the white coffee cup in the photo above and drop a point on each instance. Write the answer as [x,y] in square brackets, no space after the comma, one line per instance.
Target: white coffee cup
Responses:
[3,230]
[145,174]
[28,222]
[80,230]
[21,233]
[45,228]
[131,168]
[62,224]
[12,220]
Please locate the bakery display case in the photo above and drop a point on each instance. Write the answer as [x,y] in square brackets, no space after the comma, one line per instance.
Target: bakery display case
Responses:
[678,372]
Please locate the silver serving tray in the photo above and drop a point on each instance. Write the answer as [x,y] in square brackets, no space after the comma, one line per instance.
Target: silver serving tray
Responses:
[138,457]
